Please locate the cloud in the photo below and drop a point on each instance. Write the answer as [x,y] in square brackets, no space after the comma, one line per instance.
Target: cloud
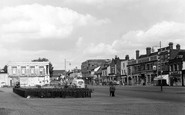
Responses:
[38,22]
[163,31]
[140,39]
[99,50]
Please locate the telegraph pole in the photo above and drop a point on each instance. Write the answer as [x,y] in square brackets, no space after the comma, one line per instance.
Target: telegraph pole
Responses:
[161,69]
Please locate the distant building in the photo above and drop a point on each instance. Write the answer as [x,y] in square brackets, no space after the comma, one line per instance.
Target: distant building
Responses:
[57,74]
[4,79]
[28,73]
[152,65]
[88,66]
[124,70]
[177,67]
[141,70]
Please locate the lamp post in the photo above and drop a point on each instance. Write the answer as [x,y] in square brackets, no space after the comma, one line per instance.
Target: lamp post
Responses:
[160,65]
[161,69]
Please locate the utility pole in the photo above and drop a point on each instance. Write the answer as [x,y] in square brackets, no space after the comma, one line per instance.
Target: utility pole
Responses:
[161,69]
[65,66]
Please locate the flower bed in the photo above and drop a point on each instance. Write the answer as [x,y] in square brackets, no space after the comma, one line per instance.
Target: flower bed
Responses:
[53,92]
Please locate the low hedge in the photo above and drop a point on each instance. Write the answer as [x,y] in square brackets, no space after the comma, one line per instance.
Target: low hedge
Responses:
[53,92]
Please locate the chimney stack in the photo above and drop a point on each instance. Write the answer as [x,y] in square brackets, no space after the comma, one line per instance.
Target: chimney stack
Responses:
[171,45]
[148,50]
[137,54]
[127,57]
[178,47]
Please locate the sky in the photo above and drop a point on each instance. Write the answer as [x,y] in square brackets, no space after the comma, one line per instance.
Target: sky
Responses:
[78,30]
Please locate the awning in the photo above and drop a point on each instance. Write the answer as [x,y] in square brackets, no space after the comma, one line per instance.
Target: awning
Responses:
[166,77]
[159,77]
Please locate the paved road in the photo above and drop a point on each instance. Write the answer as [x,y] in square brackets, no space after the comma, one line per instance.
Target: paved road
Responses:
[169,94]
[128,101]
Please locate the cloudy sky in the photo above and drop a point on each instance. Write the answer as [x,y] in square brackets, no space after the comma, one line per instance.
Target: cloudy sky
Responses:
[78,30]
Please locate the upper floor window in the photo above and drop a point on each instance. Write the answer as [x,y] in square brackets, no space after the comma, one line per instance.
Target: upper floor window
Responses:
[32,70]
[175,67]
[123,65]
[14,70]
[41,70]
[23,70]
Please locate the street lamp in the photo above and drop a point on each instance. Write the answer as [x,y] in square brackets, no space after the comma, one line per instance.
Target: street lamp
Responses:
[160,65]
[161,69]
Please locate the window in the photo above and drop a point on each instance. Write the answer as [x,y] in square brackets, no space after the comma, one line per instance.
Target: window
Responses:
[123,65]
[14,70]
[23,70]
[175,67]
[32,70]
[171,68]
[41,70]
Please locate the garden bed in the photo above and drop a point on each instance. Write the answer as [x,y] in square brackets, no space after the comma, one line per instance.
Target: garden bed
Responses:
[53,92]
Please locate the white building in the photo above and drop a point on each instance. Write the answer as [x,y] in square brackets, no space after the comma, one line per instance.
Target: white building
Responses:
[28,73]
[124,72]
[4,79]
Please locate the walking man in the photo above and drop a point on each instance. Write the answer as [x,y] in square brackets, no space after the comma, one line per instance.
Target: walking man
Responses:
[112,90]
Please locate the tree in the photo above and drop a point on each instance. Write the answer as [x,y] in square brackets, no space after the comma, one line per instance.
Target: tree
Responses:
[45,60]
[5,69]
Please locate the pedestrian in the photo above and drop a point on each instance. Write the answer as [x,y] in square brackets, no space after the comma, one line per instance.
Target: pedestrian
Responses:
[112,90]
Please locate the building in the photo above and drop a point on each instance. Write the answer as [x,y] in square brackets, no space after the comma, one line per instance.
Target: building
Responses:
[4,79]
[141,69]
[105,74]
[124,71]
[57,74]
[115,70]
[177,67]
[88,66]
[145,68]
[28,73]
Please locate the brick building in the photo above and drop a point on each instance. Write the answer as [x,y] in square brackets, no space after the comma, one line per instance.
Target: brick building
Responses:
[88,66]
[141,69]
[177,67]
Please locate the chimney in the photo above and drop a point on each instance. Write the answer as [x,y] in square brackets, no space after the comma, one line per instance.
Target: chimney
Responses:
[137,54]
[148,50]
[178,47]
[116,56]
[171,45]
[127,57]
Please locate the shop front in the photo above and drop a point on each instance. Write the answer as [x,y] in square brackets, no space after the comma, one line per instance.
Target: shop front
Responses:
[176,78]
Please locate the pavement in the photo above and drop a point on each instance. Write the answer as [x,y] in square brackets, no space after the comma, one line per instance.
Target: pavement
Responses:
[99,104]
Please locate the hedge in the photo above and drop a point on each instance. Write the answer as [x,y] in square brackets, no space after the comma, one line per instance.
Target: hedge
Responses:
[53,92]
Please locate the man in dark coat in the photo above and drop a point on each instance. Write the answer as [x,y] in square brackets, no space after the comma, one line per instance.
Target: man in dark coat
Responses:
[112,90]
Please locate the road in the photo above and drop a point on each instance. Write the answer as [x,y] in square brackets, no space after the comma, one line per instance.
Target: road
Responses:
[169,94]
[128,101]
